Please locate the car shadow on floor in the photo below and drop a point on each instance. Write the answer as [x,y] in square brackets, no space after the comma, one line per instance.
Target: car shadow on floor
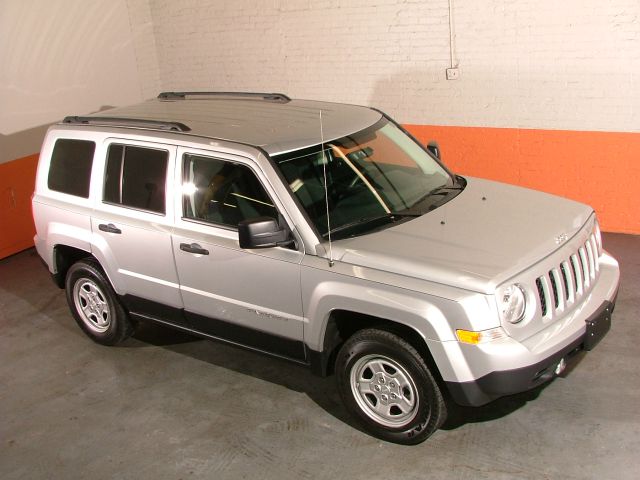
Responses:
[149,333]
[459,416]
[322,391]
[292,376]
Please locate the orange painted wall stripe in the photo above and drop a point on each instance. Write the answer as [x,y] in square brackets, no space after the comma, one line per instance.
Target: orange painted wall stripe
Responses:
[17,180]
[601,169]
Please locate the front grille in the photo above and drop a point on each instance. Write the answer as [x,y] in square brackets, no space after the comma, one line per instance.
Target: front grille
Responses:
[554,287]
[570,280]
[543,297]
[564,268]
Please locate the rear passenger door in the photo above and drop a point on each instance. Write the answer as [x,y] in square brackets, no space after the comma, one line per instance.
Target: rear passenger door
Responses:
[250,297]
[131,226]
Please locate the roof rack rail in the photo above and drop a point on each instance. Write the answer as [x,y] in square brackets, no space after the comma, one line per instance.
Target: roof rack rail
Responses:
[128,122]
[269,97]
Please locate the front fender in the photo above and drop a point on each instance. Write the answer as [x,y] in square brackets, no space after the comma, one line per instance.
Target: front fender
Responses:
[325,290]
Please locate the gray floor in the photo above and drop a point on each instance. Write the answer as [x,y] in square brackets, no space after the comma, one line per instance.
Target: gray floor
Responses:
[166,405]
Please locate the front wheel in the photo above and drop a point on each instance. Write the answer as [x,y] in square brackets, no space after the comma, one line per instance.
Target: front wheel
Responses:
[94,304]
[387,386]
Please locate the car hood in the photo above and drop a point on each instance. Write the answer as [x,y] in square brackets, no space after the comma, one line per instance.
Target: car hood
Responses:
[482,237]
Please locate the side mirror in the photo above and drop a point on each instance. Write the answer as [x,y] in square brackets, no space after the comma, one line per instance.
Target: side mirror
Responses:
[262,232]
[434,149]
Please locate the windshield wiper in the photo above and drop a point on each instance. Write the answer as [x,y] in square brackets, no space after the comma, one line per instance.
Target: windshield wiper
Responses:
[442,190]
[439,192]
[392,216]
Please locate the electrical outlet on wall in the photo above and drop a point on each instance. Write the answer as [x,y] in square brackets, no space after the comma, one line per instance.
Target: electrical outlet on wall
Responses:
[453,73]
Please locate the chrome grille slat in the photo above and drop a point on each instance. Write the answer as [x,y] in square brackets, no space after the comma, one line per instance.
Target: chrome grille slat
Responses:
[569,281]
[594,249]
[592,265]
[584,265]
[577,271]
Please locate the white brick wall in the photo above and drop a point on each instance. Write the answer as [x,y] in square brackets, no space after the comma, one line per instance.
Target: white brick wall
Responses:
[144,46]
[570,64]
[58,59]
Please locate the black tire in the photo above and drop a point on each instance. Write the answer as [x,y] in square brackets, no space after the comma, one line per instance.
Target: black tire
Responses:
[386,385]
[94,304]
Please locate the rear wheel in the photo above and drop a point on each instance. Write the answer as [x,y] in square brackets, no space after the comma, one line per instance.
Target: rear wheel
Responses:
[387,386]
[94,304]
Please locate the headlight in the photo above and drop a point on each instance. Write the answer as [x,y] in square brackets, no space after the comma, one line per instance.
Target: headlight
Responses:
[512,303]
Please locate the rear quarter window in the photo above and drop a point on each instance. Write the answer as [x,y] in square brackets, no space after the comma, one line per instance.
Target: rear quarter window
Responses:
[136,177]
[70,167]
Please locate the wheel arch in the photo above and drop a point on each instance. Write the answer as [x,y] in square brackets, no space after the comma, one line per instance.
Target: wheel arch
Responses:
[63,257]
[342,324]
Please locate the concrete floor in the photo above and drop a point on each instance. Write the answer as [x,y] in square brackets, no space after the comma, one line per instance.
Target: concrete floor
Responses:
[166,405]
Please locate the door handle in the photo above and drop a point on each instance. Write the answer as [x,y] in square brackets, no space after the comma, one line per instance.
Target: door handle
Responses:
[193,248]
[111,228]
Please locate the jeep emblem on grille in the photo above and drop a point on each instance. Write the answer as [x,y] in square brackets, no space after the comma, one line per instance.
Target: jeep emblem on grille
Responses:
[563,237]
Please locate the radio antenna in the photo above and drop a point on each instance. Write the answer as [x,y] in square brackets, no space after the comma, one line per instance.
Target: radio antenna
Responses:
[326,192]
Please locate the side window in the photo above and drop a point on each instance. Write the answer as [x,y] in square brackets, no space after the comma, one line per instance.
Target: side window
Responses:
[222,192]
[70,167]
[136,177]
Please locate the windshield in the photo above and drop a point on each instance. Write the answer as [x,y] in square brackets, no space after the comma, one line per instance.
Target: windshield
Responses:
[374,178]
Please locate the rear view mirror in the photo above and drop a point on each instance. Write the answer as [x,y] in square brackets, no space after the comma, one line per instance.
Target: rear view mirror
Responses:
[434,149]
[263,232]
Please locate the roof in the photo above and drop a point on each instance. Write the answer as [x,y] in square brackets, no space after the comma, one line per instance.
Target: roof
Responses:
[272,122]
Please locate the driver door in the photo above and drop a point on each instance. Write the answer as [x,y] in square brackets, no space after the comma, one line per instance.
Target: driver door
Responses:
[251,297]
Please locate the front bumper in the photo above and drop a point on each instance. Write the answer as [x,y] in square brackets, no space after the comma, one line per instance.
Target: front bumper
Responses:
[507,382]
[479,374]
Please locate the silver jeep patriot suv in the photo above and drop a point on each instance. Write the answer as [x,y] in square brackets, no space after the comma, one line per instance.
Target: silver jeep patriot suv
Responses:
[324,234]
